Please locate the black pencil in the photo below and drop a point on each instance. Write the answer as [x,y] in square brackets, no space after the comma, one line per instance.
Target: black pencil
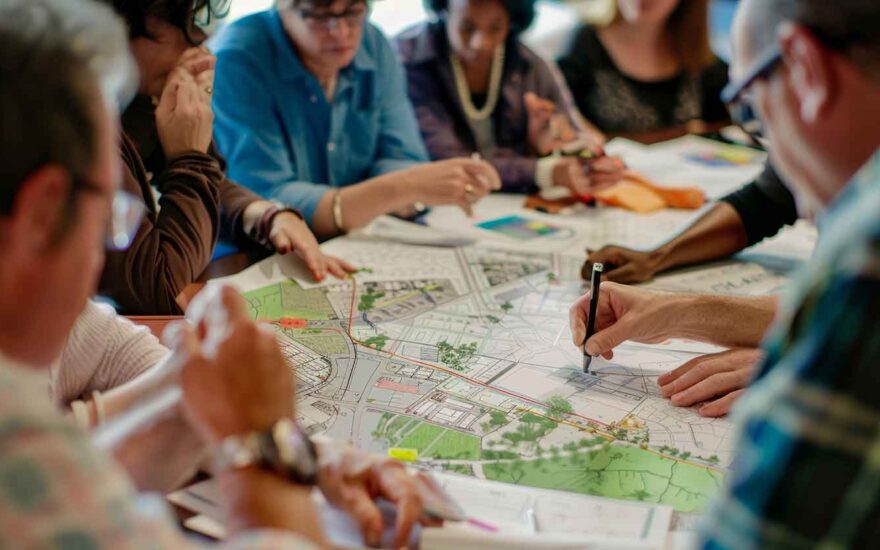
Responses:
[595,282]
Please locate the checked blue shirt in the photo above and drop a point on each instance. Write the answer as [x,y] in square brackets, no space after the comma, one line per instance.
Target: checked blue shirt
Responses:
[807,471]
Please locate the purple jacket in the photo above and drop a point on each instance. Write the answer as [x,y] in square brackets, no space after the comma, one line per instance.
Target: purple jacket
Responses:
[424,51]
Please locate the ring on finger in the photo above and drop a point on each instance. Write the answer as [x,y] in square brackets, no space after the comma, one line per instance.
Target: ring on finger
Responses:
[469,189]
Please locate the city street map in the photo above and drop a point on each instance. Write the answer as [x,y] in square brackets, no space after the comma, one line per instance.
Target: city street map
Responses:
[461,359]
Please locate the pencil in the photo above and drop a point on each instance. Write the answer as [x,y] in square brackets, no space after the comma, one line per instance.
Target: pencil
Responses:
[595,281]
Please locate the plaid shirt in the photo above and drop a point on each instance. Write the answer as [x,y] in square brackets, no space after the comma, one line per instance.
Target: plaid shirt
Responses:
[58,491]
[808,465]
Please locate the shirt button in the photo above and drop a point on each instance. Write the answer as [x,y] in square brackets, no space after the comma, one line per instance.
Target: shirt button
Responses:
[331,146]
[313,99]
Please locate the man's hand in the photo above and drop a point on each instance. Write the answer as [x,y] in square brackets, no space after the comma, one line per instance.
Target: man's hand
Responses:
[290,233]
[623,265]
[352,480]
[624,313]
[184,118]
[717,380]
[460,181]
[233,376]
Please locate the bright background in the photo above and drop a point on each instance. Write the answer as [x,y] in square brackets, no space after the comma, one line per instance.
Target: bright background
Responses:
[547,35]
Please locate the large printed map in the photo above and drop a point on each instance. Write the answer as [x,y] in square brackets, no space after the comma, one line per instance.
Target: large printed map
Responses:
[461,358]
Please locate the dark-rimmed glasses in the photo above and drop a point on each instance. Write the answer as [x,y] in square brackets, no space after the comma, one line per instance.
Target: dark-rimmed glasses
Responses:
[736,95]
[354,16]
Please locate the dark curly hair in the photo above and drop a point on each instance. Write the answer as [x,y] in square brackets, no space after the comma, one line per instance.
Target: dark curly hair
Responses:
[183,14]
[521,12]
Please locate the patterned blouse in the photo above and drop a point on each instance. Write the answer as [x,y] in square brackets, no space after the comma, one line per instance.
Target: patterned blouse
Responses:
[617,103]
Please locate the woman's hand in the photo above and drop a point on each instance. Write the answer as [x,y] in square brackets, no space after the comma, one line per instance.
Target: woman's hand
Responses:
[460,181]
[289,233]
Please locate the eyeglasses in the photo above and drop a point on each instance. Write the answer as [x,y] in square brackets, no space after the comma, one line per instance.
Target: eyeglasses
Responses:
[126,214]
[739,101]
[354,17]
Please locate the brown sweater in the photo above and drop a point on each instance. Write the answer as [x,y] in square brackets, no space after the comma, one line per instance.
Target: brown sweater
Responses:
[176,240]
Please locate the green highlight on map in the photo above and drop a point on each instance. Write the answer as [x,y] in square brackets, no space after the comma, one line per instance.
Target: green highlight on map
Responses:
[472,373]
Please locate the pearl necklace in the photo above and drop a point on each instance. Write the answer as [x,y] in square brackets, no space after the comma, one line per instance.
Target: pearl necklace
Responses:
[464,93]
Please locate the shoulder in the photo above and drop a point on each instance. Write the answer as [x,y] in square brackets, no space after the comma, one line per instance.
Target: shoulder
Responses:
[584,40]
[252,33]
[376,46]
[417,44]
[715,75]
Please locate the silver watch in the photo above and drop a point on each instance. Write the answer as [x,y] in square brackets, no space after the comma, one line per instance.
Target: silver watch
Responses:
[284,449]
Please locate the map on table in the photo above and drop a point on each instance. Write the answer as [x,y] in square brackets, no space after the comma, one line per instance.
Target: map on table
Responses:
[462,359]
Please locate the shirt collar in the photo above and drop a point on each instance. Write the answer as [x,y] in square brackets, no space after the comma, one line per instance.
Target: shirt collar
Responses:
[288,65]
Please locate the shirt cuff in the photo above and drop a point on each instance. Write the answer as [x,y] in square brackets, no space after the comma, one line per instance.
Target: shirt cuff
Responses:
[544,172]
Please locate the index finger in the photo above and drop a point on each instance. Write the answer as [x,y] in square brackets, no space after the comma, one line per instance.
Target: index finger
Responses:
[577,318]
[409,511]
[233,304]
[484,173]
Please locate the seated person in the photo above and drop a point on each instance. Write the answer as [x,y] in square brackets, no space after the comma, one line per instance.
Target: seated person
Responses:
[477,89]
[804,475]
[167,150]
[650,69]
[59,195]
[312,111]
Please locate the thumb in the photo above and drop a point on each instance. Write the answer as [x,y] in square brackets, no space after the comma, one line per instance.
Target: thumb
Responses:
[604,341]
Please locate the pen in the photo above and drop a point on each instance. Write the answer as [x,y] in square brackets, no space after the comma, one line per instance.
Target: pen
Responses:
[595,281]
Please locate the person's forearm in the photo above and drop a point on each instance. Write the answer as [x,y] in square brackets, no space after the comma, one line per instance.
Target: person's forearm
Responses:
[254,499]
[717,234]
[729,321]
[363,202]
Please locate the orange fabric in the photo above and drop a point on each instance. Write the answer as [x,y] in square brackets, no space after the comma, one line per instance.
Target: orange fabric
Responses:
[639,194]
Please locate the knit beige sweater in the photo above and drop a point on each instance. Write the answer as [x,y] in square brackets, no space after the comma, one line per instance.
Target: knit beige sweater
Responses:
[104,350]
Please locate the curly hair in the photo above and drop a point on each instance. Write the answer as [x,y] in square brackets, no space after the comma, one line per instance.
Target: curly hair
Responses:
[521,12]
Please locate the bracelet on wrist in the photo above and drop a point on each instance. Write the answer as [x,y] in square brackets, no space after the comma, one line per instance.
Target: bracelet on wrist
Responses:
[337,213]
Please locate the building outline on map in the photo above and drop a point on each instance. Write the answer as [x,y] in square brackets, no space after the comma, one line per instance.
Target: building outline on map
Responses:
[459,354]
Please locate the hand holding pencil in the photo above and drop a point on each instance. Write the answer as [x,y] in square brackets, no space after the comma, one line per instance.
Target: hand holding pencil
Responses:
[623,313]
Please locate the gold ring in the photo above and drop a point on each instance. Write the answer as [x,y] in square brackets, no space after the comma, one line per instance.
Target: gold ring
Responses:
[469,189]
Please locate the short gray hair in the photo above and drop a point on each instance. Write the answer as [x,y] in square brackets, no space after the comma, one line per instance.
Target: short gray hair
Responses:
[56,57]
[851,26]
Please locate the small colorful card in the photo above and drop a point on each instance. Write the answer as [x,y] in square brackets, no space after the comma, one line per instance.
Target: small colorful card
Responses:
[519,227]
[723,157]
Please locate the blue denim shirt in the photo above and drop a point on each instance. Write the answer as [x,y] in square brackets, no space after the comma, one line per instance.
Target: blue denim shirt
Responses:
[279,134]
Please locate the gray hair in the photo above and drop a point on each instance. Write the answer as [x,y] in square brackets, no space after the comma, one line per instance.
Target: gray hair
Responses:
[850,26]
[57,58]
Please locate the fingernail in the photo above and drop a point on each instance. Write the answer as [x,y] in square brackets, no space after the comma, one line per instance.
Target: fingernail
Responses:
[677,399]
[666,390]
[661,380]
[592,349]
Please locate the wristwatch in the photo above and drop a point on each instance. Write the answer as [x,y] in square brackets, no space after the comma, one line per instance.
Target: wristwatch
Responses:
[284,449]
